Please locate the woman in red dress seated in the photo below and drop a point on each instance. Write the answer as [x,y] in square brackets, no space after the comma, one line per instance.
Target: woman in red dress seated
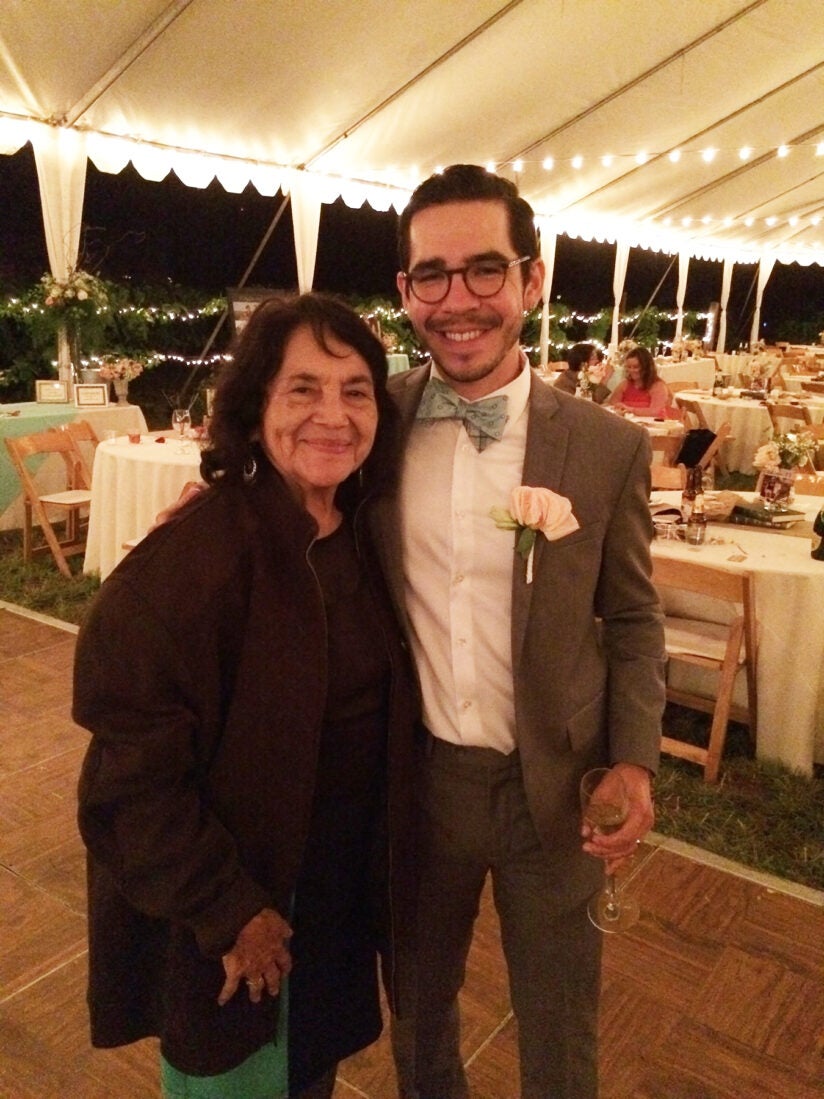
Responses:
[642,391]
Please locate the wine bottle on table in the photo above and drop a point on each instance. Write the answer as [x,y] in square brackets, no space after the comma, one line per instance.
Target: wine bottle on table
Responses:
[697,522]
[817,551]
[691,489]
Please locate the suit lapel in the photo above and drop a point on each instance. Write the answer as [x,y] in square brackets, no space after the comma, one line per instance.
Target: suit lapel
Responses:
[547,440]
[406,390]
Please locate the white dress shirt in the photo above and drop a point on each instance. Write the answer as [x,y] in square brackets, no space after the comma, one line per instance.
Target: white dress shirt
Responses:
[458,572]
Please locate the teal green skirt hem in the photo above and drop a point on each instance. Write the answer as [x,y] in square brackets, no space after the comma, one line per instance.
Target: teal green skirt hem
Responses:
[264,1075]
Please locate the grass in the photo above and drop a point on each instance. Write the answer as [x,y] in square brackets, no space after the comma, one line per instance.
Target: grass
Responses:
[758,814]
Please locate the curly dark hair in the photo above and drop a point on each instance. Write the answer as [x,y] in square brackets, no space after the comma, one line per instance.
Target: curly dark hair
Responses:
[579,355]
[471,183]
[242,389]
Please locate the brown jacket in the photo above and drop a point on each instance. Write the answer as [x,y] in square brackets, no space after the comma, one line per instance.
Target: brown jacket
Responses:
[201,674]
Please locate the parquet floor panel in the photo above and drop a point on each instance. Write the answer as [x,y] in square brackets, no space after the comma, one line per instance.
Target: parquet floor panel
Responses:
[718,992]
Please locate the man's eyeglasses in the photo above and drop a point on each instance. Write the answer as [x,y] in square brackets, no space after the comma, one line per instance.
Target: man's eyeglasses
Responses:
[483,278]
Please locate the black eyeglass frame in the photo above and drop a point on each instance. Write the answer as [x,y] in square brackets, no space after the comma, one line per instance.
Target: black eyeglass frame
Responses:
[450,272]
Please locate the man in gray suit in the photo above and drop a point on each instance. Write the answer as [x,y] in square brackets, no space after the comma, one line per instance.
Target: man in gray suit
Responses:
[532,670]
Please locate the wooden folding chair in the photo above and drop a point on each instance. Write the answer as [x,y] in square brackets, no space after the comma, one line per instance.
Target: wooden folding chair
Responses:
[786,412]
[722,647]
[85,442]
[36,505]
[809,484]
[668,477]
[667,446]
[712,455]
[680,387]
[812,386]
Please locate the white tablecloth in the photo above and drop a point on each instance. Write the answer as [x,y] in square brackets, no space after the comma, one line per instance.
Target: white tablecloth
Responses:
[789,595]
[700,371]
[131,483]
[51,476]
[750,423]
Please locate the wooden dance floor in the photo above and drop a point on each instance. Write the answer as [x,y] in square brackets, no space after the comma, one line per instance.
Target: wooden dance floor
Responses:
[717,994]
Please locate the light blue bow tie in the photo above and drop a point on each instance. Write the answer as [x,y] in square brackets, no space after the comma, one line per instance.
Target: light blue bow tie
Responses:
[484,420]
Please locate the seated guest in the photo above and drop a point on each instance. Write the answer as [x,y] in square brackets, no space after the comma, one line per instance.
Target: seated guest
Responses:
[583,356]
[641,391]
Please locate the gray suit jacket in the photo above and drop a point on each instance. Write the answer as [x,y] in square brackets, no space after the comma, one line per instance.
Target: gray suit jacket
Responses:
[587,633]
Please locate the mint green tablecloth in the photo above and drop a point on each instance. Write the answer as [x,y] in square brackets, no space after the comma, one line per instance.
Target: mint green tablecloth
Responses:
[32,418]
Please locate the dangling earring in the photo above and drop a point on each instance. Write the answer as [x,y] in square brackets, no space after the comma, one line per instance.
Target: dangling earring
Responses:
[360,477]
[249,470]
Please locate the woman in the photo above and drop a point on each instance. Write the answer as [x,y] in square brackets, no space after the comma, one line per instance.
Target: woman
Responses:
[584,356]
[641,391]
[246,795]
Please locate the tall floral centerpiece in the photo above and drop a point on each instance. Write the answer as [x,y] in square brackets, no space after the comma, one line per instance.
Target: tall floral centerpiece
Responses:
[778,461]
[69,304]
[120,371]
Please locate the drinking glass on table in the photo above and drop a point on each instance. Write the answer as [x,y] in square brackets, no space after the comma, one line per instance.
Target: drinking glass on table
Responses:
[605,805]
[181,424]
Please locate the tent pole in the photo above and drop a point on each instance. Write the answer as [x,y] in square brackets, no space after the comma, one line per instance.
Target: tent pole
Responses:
[222,318]
[652,297]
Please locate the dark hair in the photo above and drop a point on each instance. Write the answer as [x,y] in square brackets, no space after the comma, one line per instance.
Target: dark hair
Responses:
[579,355]
[243,387]
[470,183]
[649,373]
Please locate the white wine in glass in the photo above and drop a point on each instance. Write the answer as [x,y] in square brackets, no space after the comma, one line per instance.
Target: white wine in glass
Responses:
[605,805]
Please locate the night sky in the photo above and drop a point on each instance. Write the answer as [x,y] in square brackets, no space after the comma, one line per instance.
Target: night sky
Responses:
[154,232]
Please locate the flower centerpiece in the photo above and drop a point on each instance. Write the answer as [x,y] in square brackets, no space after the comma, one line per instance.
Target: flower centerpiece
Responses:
[69,304]
[778,461]
[120,371]
[535,511]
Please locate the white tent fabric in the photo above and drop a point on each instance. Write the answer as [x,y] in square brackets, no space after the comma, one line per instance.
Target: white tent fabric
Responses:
[726,286]
[681,292]
[675,126]
[619,275]
[764,271]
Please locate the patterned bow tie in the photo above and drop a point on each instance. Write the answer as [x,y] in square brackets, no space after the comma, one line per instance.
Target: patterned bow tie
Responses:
[484,420]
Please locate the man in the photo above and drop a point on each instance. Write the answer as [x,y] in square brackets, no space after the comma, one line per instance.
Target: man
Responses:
[531,671]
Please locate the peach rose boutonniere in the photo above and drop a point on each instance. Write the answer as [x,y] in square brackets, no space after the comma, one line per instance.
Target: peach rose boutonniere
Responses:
[535,511]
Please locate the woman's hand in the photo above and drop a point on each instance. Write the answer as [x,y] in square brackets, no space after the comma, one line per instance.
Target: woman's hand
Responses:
[260,957]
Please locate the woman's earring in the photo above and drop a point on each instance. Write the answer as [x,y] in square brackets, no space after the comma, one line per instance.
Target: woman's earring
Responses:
[360,477]
[249,470]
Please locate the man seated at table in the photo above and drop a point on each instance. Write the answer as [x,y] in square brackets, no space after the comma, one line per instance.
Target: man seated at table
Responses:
[586,357]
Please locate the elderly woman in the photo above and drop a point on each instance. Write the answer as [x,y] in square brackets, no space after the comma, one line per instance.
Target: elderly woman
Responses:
[641,391]
[584,356]
[246,797]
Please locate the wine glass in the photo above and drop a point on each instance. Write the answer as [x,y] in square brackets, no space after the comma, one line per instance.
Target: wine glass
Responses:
[181,424]
[605,805]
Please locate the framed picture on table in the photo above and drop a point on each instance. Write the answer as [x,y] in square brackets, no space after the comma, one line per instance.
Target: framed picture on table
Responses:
[243,301]
[91,395]
[51,392]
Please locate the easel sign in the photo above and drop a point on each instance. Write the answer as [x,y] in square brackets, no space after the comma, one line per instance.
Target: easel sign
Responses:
[91,395]
[243,301]
[51,392]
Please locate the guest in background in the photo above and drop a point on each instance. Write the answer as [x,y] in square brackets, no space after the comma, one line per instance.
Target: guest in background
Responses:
[641,391]
[247,795]
[586,357]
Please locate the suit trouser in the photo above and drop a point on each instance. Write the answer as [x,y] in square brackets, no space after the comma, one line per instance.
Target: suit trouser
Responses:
[476,821]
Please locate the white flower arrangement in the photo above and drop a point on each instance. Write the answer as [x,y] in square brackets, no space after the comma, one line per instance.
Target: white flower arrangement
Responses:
[81,293]
[785,452]
[535,511]
[123,369]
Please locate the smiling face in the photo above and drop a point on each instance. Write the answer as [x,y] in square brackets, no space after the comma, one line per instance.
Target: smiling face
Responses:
[320,419]
[632,369]
[473,340]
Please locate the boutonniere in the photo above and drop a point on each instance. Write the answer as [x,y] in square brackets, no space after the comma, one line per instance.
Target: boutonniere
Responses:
[535,511]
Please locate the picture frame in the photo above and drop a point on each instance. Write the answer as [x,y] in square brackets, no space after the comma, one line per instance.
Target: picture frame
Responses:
[51,391]
[91,395]
[243,301]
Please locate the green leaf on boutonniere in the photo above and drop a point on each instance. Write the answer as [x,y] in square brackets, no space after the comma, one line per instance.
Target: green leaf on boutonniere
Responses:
[526,540]
[503,519]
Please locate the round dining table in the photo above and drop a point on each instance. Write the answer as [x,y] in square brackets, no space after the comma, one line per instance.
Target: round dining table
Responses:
[131,483]
[749,421]
[789,593]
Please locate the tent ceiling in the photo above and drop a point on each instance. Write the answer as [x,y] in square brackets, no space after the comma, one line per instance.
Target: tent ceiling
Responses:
[369,98]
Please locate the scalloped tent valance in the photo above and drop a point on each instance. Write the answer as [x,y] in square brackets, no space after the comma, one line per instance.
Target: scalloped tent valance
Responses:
[694,129]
